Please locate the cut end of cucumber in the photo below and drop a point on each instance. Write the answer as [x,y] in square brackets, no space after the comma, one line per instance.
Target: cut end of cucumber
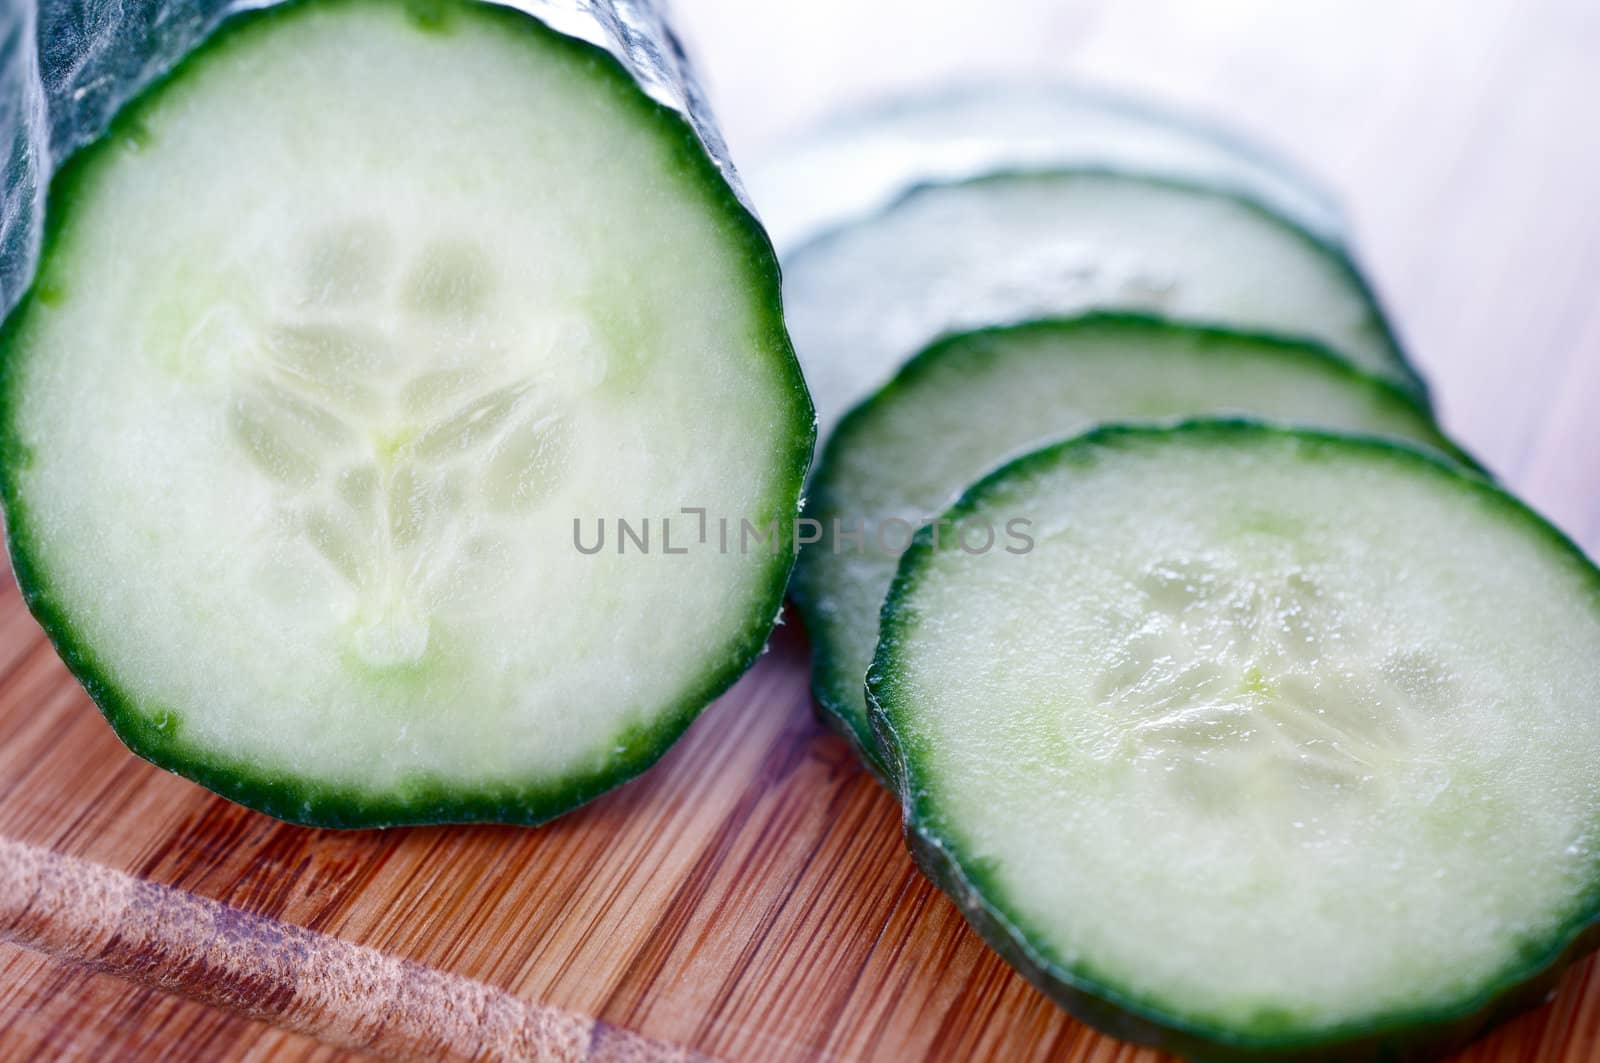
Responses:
[324,367]
[1275,741]
[972,400]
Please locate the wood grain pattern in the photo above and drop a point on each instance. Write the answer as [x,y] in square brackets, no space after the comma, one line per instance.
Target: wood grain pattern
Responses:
[346,995]
[749,898]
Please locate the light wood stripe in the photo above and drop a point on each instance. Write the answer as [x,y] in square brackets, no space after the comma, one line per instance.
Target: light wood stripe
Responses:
[340,993]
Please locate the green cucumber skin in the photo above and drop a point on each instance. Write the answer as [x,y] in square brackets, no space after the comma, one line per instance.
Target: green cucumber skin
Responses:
[865,744]
[317,805]
[1416,1035]
[1407,373]
[827,711]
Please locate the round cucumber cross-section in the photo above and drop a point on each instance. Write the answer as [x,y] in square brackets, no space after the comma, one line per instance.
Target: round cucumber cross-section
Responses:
[971,400]
[1276,743]
[338,335]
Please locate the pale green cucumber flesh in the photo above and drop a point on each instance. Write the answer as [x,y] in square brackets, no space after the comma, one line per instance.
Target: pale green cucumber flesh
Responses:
[1277,743]
[1010,247]
[336,335]
[965,404]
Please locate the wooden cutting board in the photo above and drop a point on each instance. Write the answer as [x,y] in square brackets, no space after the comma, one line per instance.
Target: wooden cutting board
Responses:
[749,898]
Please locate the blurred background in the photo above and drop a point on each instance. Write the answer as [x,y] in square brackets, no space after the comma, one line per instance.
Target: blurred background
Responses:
[1462,139]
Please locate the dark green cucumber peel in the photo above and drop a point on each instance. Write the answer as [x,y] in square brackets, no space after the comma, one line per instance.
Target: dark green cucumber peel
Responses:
[1410,1034]
[423,800]
[1406,372]
[827,687]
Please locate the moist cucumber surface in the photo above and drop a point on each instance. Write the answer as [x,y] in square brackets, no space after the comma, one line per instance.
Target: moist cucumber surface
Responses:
[1276,742]
[854,163]
[336,336]
[1010,247]
[967,403]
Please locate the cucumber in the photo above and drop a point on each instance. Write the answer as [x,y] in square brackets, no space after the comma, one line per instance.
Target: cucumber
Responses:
[1275,744]
[1009,247]
[850,165]
[966,403]
[338,336]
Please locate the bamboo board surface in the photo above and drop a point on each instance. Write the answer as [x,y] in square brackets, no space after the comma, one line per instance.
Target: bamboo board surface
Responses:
[749,898]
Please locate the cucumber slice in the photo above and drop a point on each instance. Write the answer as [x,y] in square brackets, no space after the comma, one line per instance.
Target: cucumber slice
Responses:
[853,164]
[1276,743]
[1010,247]
[336,336]
[963,405]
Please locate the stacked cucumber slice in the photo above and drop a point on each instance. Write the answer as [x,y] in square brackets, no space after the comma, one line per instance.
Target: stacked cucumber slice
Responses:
[1008,247]
[965,404]
[853,165]
[337,334]
[1275,743]
[1267,734]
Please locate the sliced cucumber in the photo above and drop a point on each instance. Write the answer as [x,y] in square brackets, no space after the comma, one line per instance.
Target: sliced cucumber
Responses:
[968,402]
[1275,743]
[853,164]
[336,336]
[1011,247]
